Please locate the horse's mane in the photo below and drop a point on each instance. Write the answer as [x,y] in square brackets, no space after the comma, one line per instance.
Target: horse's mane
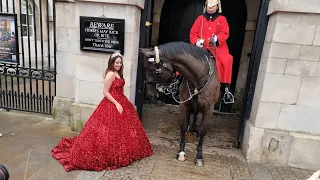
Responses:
[182,48]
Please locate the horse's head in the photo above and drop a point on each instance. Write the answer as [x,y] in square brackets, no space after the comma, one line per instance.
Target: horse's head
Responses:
[159,70]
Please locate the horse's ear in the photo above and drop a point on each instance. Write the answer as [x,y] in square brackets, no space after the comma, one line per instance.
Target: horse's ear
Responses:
[148,52]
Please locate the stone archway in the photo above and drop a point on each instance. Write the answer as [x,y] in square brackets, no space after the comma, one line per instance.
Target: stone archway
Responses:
[178,16]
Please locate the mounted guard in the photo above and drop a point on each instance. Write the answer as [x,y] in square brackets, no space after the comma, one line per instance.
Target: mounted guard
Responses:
[210,31]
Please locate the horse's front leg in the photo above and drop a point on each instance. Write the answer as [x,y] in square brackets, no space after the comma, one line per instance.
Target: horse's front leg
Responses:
[201,133]
[185,119]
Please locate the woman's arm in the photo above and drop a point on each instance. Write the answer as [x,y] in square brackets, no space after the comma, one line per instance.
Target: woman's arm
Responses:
[107,84]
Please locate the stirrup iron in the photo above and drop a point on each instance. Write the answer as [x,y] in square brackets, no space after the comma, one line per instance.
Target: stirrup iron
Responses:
[226,94]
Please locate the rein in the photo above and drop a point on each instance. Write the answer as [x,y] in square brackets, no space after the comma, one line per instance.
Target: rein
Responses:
[195,91]
[172,88]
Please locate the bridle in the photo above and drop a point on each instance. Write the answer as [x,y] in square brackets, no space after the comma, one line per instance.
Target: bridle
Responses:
[173,87]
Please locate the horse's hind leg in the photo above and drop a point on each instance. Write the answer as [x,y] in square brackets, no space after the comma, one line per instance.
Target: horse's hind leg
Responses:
[185,119]
[195,114]
[192,133]
[201,133]
[194,124]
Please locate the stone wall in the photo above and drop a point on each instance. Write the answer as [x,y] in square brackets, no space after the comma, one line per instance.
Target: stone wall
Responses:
[253,11]
[156,21]
[284,126]
[80,74]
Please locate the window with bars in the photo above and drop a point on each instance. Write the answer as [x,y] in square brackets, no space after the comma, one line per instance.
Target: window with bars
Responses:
[26,18]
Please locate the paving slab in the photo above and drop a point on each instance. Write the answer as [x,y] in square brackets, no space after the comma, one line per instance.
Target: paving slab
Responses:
[27,141]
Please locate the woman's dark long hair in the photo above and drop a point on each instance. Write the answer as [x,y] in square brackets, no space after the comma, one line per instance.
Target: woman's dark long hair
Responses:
[111,66]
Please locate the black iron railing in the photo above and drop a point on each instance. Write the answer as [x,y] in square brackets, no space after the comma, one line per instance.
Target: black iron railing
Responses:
[29,85]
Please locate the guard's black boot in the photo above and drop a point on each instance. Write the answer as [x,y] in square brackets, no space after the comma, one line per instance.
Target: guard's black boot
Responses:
[227,98]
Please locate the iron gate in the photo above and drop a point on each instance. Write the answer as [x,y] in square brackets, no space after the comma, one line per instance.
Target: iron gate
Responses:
[29,83]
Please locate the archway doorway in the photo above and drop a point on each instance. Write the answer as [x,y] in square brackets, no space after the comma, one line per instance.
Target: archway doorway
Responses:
[172,22]
[177,18]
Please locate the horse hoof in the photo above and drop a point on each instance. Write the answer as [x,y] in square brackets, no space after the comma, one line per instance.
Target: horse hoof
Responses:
[181,156]
[199,162]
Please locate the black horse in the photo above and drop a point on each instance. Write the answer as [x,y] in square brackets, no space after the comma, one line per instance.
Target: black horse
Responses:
[199,90]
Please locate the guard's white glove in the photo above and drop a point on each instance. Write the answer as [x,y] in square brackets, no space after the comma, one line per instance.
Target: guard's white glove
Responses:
[214,39]
[200,43]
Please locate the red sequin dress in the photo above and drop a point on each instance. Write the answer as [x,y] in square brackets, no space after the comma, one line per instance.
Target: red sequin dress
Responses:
[108,140]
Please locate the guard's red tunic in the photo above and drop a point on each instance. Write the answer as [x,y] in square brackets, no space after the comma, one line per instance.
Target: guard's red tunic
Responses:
[204,27]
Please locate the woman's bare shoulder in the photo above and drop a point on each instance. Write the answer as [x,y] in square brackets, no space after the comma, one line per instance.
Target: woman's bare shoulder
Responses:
[110,76]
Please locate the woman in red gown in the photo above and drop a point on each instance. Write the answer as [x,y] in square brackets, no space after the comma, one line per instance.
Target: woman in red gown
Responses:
[113,136]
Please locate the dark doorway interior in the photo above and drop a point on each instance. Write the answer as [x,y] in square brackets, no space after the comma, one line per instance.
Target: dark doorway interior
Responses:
[236,13]
[176,20]
[178,16]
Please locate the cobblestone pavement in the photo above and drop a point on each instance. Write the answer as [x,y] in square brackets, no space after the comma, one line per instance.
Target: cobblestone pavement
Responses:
[164,121]
[27,142]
